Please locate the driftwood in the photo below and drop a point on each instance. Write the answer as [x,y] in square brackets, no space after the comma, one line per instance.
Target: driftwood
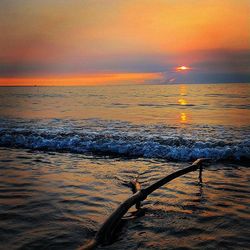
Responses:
[136,187]
[110,225]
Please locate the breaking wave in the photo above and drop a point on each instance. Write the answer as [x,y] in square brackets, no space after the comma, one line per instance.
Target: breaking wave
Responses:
[120,142]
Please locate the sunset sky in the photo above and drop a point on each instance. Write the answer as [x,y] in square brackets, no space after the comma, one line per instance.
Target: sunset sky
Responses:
[90,42]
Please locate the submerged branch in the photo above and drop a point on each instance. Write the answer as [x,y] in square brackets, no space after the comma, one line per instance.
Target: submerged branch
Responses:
[106,231]
[136,187]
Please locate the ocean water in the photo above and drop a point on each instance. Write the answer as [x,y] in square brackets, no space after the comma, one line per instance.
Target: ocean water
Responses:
[66,152]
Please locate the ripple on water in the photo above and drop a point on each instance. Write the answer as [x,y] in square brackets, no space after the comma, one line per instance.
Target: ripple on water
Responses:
[48,206]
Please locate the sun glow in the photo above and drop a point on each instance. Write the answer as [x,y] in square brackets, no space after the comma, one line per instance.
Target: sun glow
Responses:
[182,68]
[81,80]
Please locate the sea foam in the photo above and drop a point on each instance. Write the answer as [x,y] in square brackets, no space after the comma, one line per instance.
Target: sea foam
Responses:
[127,140]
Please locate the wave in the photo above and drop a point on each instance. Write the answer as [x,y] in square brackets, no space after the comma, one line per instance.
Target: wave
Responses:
[128,145]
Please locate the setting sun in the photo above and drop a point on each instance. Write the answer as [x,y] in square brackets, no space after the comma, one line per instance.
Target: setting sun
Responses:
[182,68]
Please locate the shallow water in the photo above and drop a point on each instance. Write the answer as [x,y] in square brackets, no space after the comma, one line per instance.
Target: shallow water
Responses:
[65,154]
[50,201]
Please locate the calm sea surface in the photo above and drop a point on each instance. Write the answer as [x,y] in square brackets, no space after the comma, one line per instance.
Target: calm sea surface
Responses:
[66,152]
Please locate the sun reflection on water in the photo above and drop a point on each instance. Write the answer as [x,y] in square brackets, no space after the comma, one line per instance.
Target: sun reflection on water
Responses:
[183,102]
[183,117]
[183,90]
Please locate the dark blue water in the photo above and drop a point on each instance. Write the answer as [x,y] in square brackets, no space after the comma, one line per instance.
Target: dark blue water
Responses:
[118,138]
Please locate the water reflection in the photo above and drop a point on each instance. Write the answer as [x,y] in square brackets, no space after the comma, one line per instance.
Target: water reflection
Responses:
[183,102]
[183,90]
[211,103]
[183,117]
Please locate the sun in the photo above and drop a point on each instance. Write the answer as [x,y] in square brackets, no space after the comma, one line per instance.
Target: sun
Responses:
[182,68]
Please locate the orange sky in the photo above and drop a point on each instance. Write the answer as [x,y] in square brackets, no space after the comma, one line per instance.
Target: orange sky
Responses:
[87,79]
[66,38]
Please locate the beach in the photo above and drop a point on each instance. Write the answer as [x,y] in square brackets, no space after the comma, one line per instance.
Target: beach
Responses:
[66,152]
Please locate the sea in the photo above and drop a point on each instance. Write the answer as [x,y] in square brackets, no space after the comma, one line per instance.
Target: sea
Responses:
[67,154]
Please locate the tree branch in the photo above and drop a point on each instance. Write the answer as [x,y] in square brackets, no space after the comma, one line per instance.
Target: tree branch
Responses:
[106,230]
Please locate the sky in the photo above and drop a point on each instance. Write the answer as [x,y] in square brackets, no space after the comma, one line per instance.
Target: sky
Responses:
[92,42]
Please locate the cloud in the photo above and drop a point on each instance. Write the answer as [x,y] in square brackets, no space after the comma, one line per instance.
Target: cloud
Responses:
[87,79]
[59,37]
[206,66]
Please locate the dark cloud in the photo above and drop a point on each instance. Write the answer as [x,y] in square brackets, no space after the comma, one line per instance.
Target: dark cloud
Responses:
[223,77]
[207,66]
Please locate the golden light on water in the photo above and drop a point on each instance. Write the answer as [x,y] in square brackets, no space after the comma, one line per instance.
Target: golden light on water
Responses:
[183,92]
[182,101]
[183,117]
